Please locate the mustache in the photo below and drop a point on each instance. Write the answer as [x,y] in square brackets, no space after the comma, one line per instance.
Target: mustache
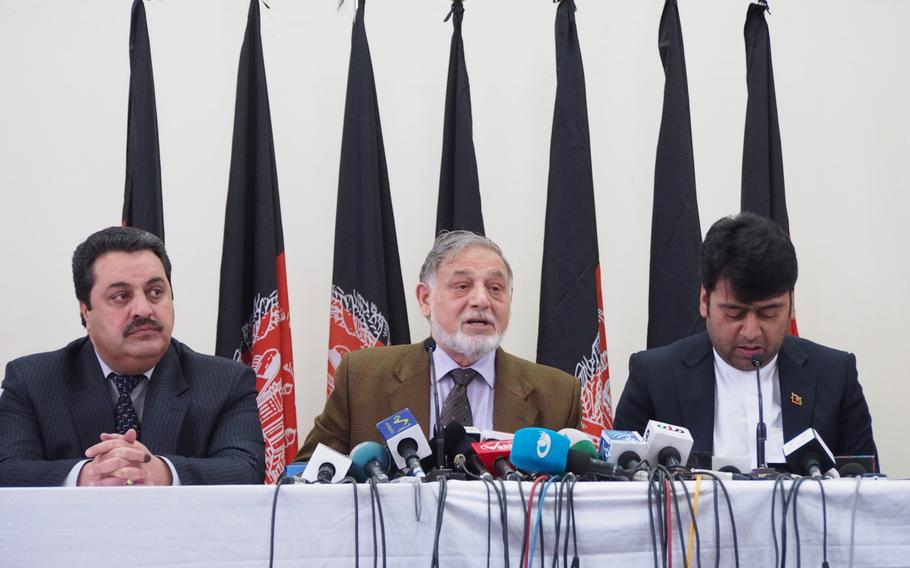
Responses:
[484,315]
[141,322]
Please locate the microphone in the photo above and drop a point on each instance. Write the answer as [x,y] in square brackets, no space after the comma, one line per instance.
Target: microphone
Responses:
[668,445]
[624,448]
[616,443]
[495,456]
[429,346]
[731,464]
[580,441]
[580,463]
[406,441]
[370,460]
[539,450]
[807,454]
[326,465]
[852,469]
[761,430]
[459,451]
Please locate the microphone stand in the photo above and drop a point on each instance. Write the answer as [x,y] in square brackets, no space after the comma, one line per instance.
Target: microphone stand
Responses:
[762,471]
[440,469]
[430,346]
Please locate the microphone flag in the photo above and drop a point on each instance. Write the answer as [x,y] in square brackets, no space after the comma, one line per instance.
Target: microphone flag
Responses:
[142,204]
[675,229]
[571,334]
[459,187]
[763,163]
[367,307]
[254,324]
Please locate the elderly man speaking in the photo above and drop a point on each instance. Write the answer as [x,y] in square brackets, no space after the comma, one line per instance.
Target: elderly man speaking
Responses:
[465,292]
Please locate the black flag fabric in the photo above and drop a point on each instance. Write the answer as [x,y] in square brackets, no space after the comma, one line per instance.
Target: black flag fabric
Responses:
[763,163]
[142,205]
[571,334]
[368,303]
[459,187]
[253,313]
[673,294]
[763,167]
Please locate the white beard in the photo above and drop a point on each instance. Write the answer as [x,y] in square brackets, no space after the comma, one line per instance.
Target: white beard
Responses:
[471,347]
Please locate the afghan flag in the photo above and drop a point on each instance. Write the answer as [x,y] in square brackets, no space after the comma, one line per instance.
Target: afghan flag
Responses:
[571,335]
[673,294]
[763,163]
[459,187]
[142,206]
[368,304]
[253,312]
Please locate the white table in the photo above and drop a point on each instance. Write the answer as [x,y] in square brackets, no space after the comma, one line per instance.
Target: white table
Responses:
[229,526]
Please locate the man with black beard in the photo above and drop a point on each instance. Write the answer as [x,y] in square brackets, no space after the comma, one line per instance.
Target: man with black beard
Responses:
[465,292]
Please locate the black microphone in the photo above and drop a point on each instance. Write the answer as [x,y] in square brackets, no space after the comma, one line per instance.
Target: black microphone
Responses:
[430,346]
[580,463]
[326,473]
[761,431]
[458,443]
[669,457]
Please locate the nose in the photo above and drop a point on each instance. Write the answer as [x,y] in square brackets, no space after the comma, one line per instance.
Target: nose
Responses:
[140,307]
[750,329]
[479,297]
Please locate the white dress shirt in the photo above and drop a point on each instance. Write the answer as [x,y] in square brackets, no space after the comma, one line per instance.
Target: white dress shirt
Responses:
[736,412]
[480,390]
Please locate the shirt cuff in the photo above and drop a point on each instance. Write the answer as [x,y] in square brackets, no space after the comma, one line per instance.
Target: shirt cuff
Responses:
[73,478]
[174,476]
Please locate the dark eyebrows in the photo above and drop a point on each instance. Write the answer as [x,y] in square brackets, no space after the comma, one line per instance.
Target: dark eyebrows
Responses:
[125,285]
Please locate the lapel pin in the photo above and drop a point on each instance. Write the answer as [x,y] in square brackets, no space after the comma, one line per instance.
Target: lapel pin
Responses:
[796,399]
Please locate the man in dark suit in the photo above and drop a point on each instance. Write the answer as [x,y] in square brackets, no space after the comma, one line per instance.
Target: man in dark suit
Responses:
[127,404]
[465,291]
[706,382]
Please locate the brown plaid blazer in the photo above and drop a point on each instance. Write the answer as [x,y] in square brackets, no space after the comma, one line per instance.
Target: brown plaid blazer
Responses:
[373,384]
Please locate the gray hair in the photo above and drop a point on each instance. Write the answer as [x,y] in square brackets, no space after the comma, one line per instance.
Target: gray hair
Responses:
[448,244]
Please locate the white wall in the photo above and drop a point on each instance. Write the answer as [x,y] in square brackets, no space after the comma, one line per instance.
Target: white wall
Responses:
[842,84]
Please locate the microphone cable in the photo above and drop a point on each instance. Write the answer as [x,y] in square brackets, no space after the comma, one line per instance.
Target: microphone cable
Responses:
[440,511]
[376,505]
[356,528]
[524,528]
[461,464]
[537,523]
[795,490]
[571,480]
[859,480]
[286,480]
[558,518]
[780,554]
[656,476]
[719,482]
[529,540]
[693,528]
[503,519]
[687,562]
[504,522]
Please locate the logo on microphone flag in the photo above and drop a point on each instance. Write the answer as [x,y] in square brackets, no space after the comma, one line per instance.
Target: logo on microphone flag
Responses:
[253,310]
[367,304]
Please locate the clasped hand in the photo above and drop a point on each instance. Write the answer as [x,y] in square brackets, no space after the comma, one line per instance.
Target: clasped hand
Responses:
[120,459]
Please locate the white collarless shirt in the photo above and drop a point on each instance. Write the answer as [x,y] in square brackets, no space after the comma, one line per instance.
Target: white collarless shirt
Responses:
[736,412]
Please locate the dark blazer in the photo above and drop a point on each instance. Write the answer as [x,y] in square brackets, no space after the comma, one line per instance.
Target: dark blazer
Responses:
[373,384]
[200,413]
[818,389]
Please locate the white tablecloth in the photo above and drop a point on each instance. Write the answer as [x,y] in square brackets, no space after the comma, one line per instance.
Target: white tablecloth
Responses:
[229,526]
